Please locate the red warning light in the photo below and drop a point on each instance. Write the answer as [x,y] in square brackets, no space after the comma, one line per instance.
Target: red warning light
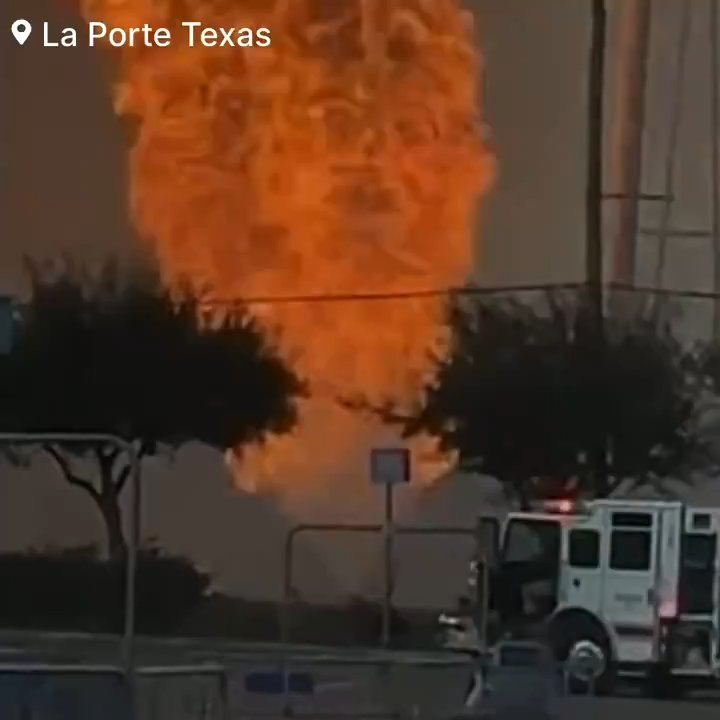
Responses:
[668,609]
[563,506]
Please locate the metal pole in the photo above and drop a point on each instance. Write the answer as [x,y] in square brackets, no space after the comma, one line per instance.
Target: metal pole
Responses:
[593,195]
[288,599]
[629,121]
[131,574]
[388,564]
[288,584]
[714,27]
[594,244]
[483,590]
[128,637]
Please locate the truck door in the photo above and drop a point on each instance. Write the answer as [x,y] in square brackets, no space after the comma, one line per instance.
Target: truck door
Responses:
[488,539]
[629,587]
[582,567]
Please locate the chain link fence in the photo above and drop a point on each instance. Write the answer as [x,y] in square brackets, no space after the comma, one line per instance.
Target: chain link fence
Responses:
[314,686]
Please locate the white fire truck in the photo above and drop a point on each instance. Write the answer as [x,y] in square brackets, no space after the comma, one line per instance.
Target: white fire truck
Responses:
[634,583]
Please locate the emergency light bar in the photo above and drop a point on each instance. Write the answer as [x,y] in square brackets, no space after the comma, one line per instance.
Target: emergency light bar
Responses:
[563,506]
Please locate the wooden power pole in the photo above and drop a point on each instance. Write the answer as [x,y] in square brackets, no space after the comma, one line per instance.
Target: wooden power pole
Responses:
[628,131]
[594,242]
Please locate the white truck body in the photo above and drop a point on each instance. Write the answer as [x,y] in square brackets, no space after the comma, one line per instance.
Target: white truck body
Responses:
[646,572]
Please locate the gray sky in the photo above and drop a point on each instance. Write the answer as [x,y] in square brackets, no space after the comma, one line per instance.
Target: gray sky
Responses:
[63,158]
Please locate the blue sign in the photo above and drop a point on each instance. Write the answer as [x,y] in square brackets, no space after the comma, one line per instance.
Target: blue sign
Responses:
[390,466]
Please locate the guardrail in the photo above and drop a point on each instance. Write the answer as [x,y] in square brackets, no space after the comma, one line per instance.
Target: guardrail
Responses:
[160,698]
[372,685]
[37,691]
[405,686]
[378,686]
[34,691]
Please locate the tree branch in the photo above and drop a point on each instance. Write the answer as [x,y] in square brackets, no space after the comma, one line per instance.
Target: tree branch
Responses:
[141,450]
[69,475]
[107,455]
[122,479]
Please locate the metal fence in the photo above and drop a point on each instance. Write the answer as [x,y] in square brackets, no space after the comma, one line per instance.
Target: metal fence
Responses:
[193,692]
[133,463]
[371,686]
[63,692]
[415,685]
[282,684]
[477,538]
[382,685]
[102,692]
[314,686]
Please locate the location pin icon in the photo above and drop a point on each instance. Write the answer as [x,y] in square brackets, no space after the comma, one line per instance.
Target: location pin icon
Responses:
[21,30]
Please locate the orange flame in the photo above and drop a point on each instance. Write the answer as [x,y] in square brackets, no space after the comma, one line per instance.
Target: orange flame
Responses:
[348,157]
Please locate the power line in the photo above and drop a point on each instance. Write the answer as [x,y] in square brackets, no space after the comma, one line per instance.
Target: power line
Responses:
[667,292]
[427,294]
[385,296]
[435,293]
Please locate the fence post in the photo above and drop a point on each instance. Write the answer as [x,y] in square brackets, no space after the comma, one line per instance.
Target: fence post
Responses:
[124,446]
[224,696]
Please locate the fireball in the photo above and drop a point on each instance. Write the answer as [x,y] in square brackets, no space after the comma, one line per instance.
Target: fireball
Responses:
[346,158]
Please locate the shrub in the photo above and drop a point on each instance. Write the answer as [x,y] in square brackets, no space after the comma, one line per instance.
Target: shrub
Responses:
[76,591]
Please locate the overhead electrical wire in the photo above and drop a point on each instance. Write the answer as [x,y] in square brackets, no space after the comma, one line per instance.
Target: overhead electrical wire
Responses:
[436,293]
[423,294]
[211,303]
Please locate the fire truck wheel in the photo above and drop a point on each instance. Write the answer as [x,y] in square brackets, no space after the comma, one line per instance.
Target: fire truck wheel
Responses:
[580,634]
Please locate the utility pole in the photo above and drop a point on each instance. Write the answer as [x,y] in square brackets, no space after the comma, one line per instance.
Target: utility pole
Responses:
[594,238]
[629,120]
[714,29]
[593,197]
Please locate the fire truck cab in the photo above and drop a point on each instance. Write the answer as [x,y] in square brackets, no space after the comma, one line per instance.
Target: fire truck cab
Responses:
[633,582]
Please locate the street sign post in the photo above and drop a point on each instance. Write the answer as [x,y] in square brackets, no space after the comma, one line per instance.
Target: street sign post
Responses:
[389,467]
[7,309]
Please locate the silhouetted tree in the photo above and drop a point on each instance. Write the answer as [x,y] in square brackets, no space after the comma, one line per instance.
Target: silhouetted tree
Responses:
[707,425]
[118,353]
[516,390]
